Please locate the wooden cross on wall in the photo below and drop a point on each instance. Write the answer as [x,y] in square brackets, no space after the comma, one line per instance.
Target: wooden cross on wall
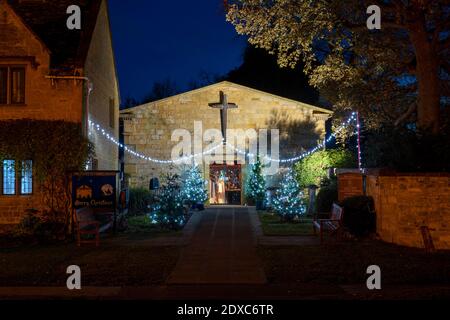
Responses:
[223,105]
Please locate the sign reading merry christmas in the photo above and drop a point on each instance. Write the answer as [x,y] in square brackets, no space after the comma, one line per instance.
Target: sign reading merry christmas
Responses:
[94,190]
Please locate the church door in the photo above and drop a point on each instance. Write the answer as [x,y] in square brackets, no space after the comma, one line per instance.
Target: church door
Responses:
[225,184]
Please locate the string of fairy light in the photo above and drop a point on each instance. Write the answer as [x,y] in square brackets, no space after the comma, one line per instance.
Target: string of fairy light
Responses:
[353,118]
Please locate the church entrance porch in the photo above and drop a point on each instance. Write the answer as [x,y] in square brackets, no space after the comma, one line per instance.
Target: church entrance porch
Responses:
[225,184]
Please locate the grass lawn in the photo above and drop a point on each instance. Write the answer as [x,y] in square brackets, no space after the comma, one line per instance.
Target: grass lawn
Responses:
[140,227]
[121,260]
[107,265]
[273,226]
[346,263]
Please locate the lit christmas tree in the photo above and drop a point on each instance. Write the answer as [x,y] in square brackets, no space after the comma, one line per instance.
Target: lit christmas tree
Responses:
[287,202]
[168,209]
[193,189]
[255,188]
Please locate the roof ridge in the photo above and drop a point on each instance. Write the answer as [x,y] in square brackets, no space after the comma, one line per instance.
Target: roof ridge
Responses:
[226,82]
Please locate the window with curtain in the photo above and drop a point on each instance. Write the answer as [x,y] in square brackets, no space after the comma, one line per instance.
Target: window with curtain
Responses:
[3,85]
[12,85]
[26,183]
[17,85]
[9,177]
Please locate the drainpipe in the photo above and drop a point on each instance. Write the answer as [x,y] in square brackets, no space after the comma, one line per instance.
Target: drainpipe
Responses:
[89,88]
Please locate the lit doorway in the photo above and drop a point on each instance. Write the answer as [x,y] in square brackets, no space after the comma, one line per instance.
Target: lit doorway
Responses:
[225,184]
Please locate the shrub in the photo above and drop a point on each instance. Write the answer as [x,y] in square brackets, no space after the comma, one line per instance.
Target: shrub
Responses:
[328,194]
[46,144]
[313,169]
[359,215]
[140,198]
[43,227]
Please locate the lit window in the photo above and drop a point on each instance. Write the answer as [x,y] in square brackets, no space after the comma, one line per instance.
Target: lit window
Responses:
[26,183]
[9,177]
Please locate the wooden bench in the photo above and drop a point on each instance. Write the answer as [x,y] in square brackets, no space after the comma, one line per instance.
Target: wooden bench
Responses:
[87,223]
[332,225]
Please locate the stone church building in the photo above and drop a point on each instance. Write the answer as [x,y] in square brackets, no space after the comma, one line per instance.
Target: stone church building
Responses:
[148,130]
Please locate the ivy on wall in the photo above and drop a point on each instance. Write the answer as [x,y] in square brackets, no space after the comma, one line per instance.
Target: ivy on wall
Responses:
[56,148]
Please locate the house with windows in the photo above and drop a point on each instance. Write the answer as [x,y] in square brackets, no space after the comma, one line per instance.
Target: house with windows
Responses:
[48,72]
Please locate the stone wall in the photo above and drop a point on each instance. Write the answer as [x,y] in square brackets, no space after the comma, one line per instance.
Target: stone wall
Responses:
[47,99]
[148,128]
[405,202]
[44,99]
[101,70]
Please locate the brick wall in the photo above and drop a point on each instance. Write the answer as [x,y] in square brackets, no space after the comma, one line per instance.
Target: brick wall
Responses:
[350,184]
[12,208]
[405,202]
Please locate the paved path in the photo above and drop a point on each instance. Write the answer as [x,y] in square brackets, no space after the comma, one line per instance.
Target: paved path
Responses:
[222,250]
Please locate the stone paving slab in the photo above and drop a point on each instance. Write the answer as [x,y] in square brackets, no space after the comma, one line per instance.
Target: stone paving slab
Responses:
[222,250]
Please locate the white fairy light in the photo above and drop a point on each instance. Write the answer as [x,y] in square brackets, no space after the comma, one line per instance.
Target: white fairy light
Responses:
[305,154]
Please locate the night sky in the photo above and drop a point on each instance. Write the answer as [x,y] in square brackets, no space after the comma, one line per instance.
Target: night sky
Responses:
[159,39]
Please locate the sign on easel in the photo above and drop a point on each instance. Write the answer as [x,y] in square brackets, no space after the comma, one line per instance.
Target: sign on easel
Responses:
[94,189]
[97,191]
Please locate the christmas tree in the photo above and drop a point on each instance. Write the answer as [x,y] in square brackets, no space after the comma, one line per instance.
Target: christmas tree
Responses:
[255,188]
[287,202]
[193,189]
[167,211]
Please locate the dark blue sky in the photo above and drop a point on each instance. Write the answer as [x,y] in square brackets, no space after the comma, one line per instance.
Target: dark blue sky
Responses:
[177,39]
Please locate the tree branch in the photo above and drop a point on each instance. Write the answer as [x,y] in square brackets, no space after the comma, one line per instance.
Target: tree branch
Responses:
[411,109]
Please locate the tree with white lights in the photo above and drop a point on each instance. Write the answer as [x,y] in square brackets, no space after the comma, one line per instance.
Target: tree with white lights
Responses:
[287,202]
[193,187]
[255,188]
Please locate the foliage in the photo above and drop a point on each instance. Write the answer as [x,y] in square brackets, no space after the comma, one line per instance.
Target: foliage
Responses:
[193,187]
[313,169]
[402,149]
[327,195]
[161,90]
[140,198]
[56,148]
[44,227]
[386,74]
[255,184]
[260,70]
[287,202]
[359,215]
[168,210]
